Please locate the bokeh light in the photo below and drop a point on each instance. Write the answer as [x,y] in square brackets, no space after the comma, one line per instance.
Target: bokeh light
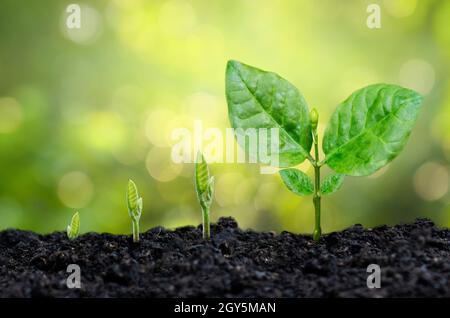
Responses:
[103,130]
[159,165]
[75,189]
[156,128]
[176,18]
[205,106]
[440,30]
[400,8]
[431,181]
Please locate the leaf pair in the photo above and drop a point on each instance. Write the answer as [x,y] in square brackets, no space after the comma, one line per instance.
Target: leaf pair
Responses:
[299,183]
[365,132]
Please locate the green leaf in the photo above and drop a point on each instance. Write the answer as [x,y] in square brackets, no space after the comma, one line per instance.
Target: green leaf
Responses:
[73,229]
[134,202]
[201,174]
[370,128]
[132,195]
[260,99]
[331,183]
[204,183]
[297,181]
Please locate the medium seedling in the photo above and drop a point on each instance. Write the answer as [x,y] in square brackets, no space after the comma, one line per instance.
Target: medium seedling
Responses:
[134,204]
[366,131]
[204,187]
[73,229]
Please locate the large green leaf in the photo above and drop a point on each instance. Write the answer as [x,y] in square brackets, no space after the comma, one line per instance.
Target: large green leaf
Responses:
[260,99]
[331,183]
[370,128]
[297,181]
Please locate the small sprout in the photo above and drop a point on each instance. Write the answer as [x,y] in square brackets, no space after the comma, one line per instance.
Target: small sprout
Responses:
[73,229]
[365,132]
[134,204]
[204,187]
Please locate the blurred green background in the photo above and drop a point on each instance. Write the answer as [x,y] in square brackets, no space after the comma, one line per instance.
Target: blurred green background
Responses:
[82,110]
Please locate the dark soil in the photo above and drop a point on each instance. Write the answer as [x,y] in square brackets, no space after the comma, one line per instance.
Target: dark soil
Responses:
[414,261]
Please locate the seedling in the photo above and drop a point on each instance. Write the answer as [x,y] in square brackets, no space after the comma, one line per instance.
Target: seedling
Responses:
[366,131]
[134,204]
[73,229]
[204,187]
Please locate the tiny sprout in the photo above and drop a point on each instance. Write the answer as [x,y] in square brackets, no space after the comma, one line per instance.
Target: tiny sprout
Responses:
[204,187]
[73,229]
[134,204]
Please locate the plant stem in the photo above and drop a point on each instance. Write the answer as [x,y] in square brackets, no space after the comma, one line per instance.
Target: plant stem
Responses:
[206,225]
[135,231]
[317,195]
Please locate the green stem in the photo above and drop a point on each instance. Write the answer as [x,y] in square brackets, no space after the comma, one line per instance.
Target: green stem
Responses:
[135,231]
[317,195]
[206,225]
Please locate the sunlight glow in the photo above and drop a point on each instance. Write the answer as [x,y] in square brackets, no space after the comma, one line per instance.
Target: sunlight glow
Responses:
[10,115]
[75,189]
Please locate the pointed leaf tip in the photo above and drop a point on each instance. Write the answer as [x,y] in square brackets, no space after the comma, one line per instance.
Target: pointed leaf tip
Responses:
[132,195]
[370,128]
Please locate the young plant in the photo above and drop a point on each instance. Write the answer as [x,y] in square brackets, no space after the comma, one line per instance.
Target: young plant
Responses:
[134,204]
[73,229]
[204,187]
[365,132]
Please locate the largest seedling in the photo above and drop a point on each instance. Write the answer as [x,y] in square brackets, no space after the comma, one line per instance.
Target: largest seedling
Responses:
[365,132]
